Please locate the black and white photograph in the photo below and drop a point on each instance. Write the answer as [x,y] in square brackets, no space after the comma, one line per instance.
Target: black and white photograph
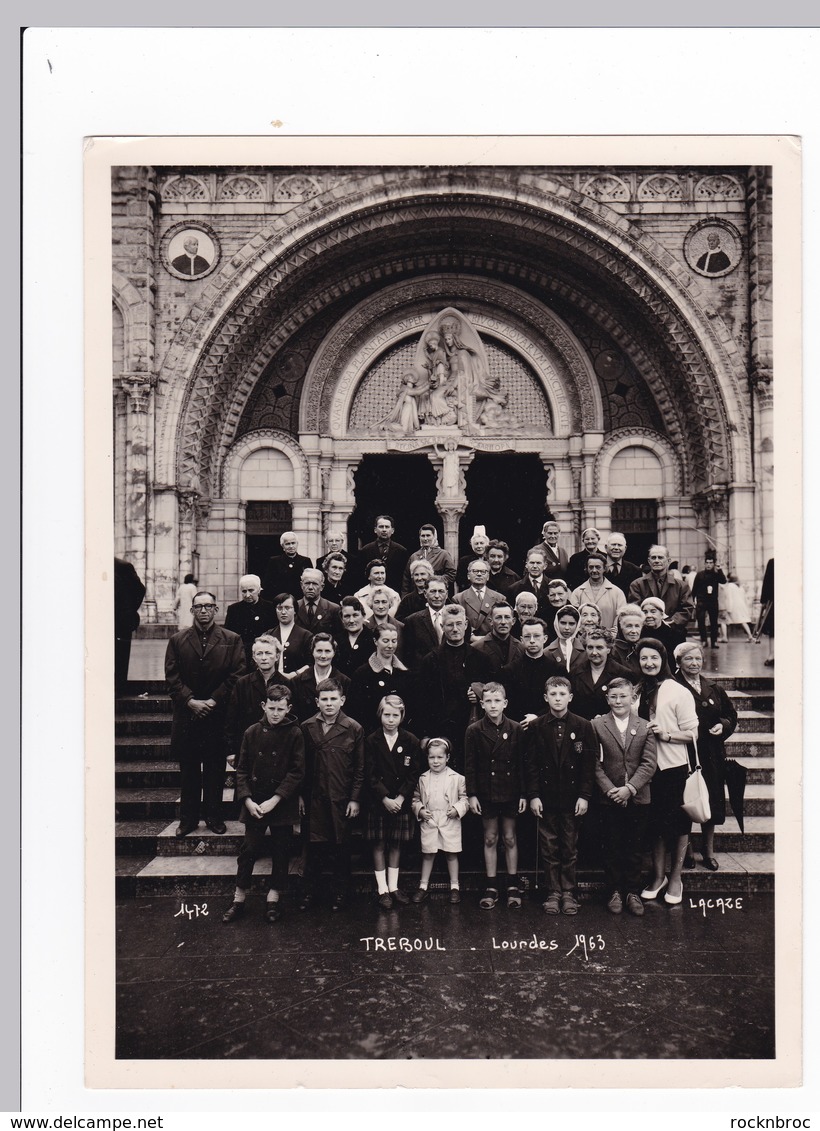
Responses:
[443,516]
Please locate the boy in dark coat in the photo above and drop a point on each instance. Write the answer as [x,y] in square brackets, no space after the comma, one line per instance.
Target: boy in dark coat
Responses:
[493,754]
[334,758]
[268,777]
[560,774]
[628,760]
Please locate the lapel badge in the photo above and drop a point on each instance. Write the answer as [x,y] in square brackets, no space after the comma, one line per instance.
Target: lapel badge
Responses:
[572,735]
[504,736]
[633,732]
[398,750]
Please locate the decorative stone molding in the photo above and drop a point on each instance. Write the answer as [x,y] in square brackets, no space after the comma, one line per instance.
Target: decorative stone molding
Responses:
[719,186]
[242,188]
[296,187]
[606,186]
[137,387]
[659,445]
[242,293]
[660,186]
[257,441]
[185,188]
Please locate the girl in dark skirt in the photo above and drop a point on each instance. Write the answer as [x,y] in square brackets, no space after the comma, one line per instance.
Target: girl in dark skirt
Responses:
[392,766]
[717,719]
[670,711]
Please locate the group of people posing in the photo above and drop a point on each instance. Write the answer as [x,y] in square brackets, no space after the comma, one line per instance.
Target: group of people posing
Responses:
[543,693]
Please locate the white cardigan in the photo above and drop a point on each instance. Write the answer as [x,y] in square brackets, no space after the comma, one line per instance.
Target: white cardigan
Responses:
[674,710]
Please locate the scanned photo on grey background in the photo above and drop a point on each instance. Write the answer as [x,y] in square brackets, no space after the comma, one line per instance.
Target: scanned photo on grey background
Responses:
[475,398]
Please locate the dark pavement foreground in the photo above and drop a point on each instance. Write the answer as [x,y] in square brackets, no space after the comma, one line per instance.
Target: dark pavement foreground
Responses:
[677,983]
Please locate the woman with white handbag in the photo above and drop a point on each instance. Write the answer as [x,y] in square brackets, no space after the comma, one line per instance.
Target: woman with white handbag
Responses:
[717,720]
[670,711]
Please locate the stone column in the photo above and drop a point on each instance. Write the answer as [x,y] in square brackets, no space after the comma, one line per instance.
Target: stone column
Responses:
[138,388]
[678,530]
[559,492]
[451,483]
[164,552]
[764,465]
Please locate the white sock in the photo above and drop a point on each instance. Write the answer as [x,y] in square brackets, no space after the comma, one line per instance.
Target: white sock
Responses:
[239,895]
[392,878]
[454,887]
[273,896]
[381,880]
[423,885]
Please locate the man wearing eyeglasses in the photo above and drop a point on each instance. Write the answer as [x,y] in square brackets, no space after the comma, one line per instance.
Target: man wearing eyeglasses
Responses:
[202,664]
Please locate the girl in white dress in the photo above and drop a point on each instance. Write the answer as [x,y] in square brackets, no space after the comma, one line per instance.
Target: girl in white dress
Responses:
[439,803]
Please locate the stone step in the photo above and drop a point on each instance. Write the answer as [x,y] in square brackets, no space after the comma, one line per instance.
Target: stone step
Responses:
[144,704]
[147,804]
[754,722]
[760,745]
[743,682]
[142,747]
[143,723]
[147,775]
[759,771]
[214,876]
[752,700]
[138,687]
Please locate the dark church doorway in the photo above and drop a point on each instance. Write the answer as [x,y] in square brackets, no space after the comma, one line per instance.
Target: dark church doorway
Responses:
[265,523]
[637,520]
[403,486]
[506,493]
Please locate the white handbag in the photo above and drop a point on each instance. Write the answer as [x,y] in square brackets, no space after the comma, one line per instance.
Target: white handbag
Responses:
[696,792]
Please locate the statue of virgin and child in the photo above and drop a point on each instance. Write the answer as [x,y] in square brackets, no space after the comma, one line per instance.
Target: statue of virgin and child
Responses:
[449,382]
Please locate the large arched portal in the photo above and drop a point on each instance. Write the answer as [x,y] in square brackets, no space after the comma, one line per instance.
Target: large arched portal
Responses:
[592,325]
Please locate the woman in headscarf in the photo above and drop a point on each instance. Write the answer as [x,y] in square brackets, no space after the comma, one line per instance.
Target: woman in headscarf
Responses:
[670,711]
[717,719]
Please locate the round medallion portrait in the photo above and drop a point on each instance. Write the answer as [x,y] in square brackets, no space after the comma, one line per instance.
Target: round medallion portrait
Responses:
[191,251]
[712,248]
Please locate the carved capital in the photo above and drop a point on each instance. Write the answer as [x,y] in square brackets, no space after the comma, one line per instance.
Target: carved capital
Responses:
[137,387]
[187,505]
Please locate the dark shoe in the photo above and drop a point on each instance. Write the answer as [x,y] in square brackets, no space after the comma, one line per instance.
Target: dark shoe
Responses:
[306,902]
[234,912]
[689,858]
[552,904]
[711,863]
[633,904]
[272,912]
[768,663]
[715,647]
[419,895]
[569,904]
[217,826]
[340,901]
[455,895]
[386,902]
[615,904]
[185,827]
[398,896]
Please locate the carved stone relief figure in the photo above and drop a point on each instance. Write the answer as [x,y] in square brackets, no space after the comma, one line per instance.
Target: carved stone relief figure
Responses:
[450,383]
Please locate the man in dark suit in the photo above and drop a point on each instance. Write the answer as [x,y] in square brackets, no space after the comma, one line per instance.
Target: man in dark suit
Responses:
[675,594]
[556,560]
[479,546]
[478,599]
[423,630]
[313,612]
[528,672]
[191,263]
[499,645]
[202,665]
[446,694]
[250,617]
[393,554]
[618,570]
[705,593]
[284,571]
[534,582]
[129,592]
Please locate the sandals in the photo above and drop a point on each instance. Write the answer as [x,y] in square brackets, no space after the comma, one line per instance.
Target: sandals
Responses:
[513,896]
[489,899]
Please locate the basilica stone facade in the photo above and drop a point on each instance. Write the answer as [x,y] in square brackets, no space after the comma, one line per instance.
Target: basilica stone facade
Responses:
[302,348]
